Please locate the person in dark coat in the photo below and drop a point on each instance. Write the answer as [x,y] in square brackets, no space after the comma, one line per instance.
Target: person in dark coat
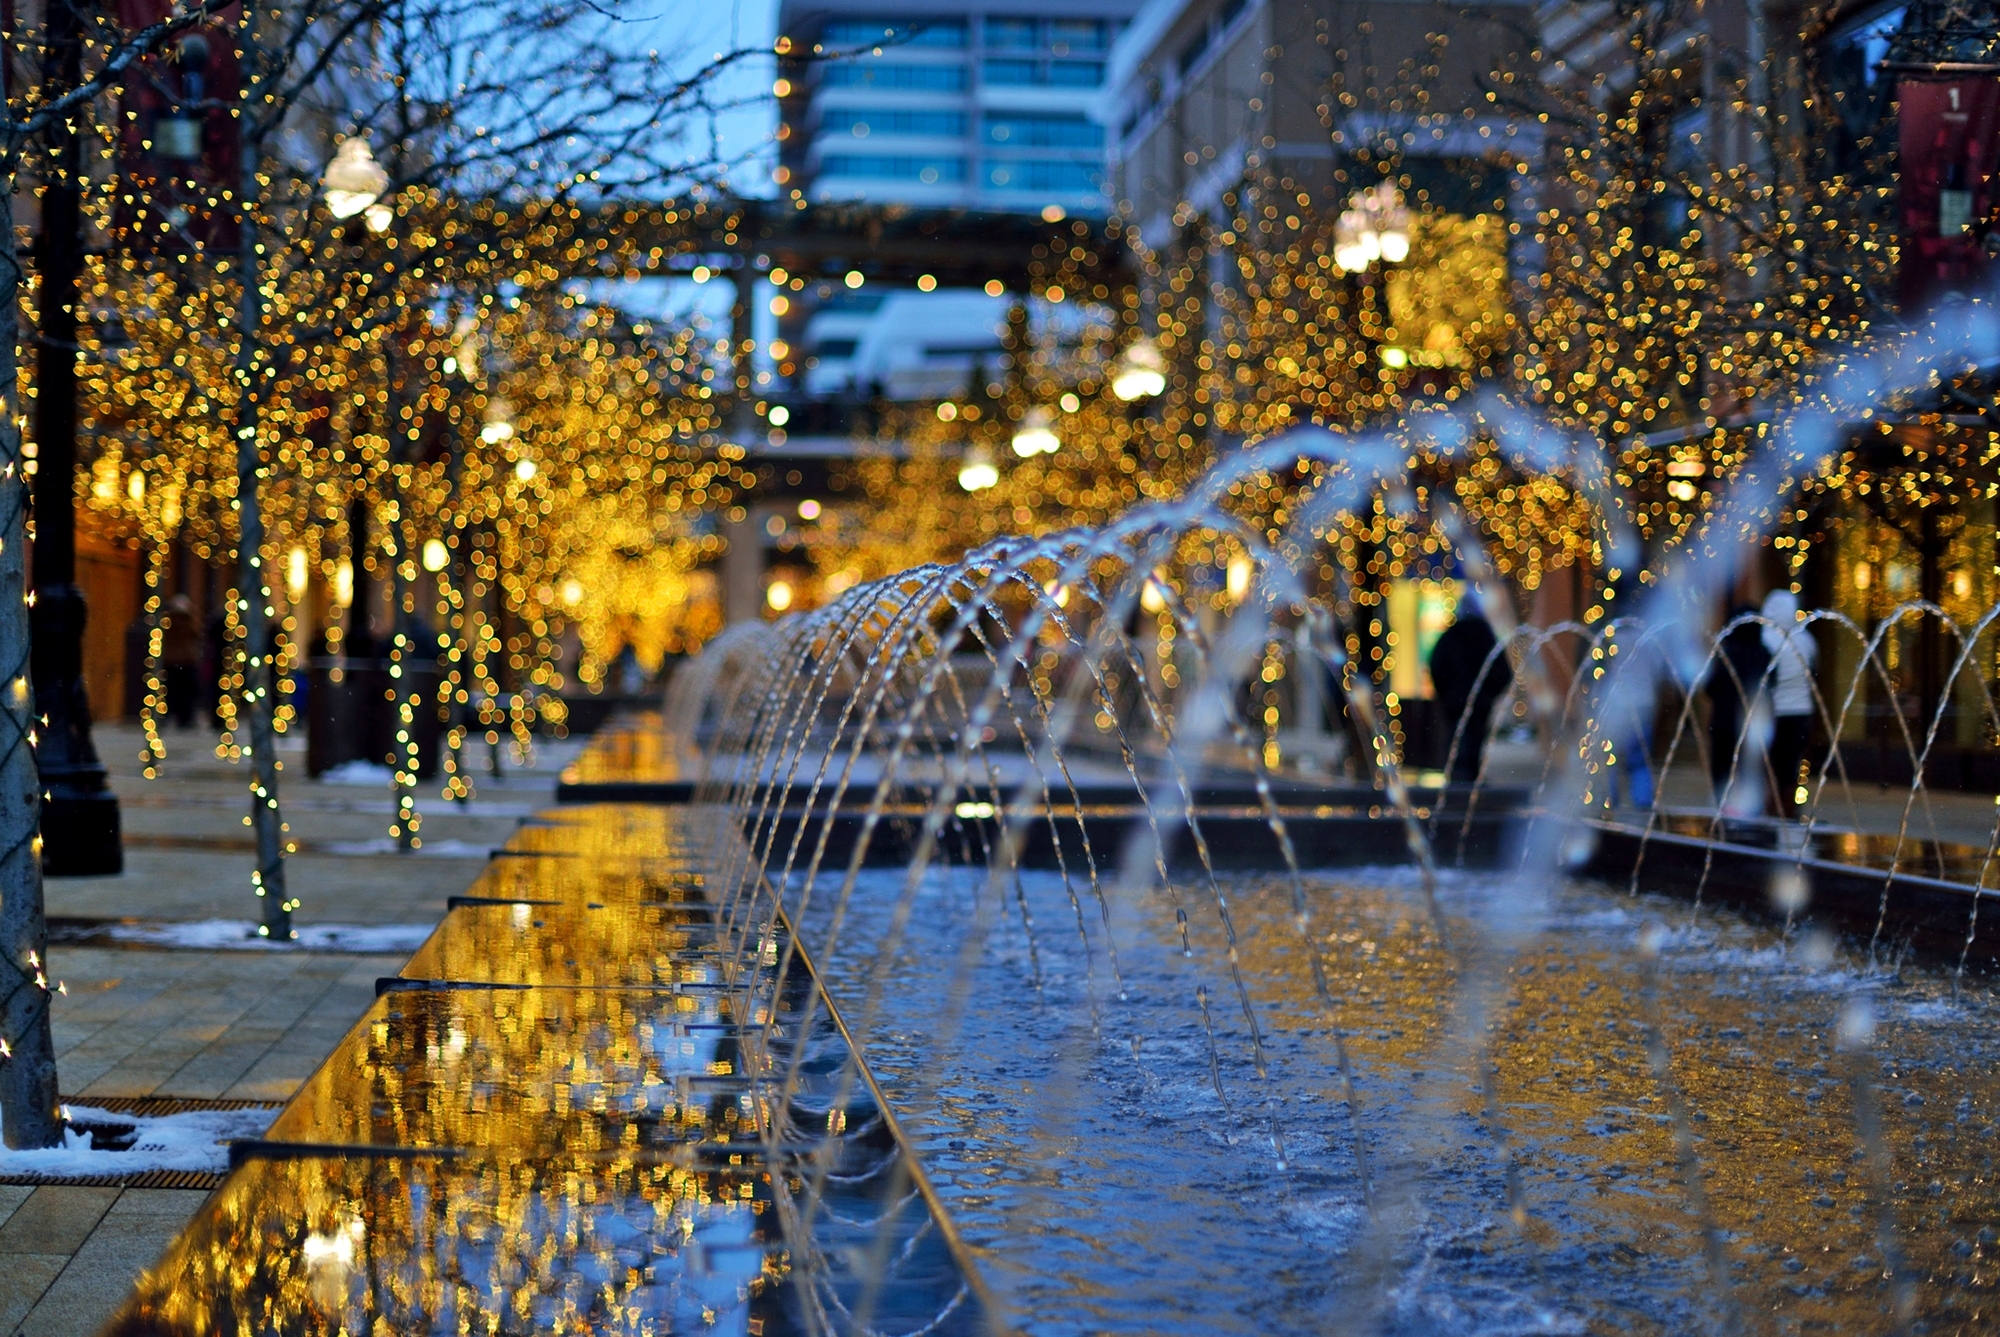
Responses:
[180,658]
[1733,679]
[1456,660]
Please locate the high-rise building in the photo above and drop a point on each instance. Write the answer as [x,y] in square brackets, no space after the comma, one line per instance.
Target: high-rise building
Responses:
[984,104]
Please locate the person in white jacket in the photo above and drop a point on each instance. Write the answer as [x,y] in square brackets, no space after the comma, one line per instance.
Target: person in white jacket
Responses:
[1792,657]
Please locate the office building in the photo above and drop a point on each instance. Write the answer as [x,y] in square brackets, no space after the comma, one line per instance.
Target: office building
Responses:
[979,106]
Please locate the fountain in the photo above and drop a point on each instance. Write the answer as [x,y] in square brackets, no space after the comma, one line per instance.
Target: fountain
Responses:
[988,970]
[1189,1044]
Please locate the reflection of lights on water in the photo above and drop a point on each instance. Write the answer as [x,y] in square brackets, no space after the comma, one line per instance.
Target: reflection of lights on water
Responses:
[329,1260]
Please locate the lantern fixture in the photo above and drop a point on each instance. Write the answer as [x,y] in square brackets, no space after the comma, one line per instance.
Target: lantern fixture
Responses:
[354,181]
[1036,434]
[976,472]
[499,423]
[1374,226]
[1140,372]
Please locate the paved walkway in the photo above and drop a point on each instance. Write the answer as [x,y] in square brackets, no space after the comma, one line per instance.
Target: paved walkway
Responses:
[240,1024]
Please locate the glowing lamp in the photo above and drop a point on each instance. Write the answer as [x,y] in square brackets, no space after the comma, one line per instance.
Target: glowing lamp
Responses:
[976,472]
[436,555]
[354,181]
[499,424]
[1374,226]
[1036,434]
[778,594]
[1237,580]
[1140,372]
[524,469]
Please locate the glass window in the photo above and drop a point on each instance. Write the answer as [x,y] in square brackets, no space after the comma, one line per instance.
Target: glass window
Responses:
[883,74]
[1043,175]
[1080,34]
[1013,73]
[893,167]
[837,347]
[1076,73]
[1011,34]
[893,121]
[898,32]
[1027,130]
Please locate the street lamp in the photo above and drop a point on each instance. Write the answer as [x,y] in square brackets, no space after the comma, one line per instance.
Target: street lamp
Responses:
[976,472]
[1140,372]
[499,424]
[1036,434]
[1374,226]
[354,181]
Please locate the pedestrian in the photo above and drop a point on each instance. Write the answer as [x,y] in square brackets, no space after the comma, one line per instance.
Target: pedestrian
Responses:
[1734,674]
[1460,655]
[1630,737]
[1793,655]
[180,657]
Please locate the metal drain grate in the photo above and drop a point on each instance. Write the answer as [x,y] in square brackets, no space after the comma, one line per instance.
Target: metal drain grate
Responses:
[155,1106]
[144,1107]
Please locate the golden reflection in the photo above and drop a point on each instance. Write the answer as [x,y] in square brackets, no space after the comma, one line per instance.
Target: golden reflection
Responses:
[1751,1036]
[379,1245]
[536,1158]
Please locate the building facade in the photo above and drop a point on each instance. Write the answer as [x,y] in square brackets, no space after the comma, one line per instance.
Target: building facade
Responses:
[984,105]
[1205,95]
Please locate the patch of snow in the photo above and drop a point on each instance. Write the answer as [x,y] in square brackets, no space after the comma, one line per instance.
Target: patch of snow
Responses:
[358,772]
[195,1140]
[241,935]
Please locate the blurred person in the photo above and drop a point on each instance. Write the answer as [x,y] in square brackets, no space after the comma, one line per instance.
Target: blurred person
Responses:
[1792,653]
[1631,736]
[1457,659]
[180,657]
[1735,673]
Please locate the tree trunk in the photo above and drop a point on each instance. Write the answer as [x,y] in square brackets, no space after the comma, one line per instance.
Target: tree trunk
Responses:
[253,585]
[28,1113]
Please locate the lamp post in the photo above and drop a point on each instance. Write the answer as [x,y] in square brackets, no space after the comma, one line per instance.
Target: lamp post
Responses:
[1374,227]
[354,183]
[80,821]
[1037,434]
[1140,372]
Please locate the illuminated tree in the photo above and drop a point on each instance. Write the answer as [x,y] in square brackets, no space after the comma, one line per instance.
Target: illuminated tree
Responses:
[27,1059]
